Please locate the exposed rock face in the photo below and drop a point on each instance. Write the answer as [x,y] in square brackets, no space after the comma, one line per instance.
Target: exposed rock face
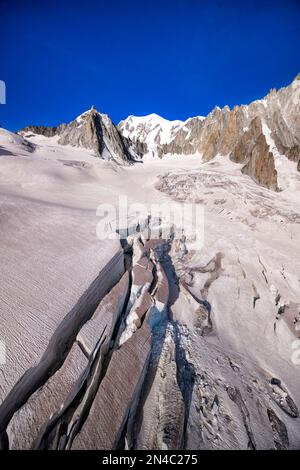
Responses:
[221,132]
[191,348]
[283,118]
[156,136]
[253,149]
[97,132]
[260,165]
[43,130]
[216,134]
[224,132]
[187,139]
[91,130]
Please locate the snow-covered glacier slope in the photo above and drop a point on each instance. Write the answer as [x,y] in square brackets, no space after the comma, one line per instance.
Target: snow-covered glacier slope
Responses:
[54,270]
[208,331]
[156,341]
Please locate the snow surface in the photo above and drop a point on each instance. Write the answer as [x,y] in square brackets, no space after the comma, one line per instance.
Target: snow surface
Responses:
[50,253]
[151,129]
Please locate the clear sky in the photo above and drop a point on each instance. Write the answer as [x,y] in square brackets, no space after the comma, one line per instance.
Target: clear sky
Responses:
[177,58]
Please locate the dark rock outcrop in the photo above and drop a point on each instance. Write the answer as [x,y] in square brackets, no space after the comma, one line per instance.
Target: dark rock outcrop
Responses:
[91,130]
[253,149]
[42,130]
[229,132]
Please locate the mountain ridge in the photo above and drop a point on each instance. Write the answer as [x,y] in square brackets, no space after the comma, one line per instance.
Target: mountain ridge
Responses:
[239,132]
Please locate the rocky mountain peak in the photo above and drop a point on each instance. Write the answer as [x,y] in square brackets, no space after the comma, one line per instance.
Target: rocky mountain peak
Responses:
[97,132]
[90,130]
[253,149]
[237,132]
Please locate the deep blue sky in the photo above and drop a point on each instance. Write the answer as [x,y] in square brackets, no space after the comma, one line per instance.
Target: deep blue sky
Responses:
[177,58]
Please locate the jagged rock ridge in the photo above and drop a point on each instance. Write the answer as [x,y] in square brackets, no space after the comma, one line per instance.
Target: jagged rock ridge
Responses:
[165,343]
[239,133]
[91,130]
[224,131]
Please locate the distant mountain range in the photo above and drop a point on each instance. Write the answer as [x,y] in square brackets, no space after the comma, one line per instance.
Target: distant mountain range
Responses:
[253,135]
[184,334]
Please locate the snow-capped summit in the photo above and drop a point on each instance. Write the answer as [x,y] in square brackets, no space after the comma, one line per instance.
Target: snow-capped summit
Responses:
[237,132]
[152,131]
[73,303]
